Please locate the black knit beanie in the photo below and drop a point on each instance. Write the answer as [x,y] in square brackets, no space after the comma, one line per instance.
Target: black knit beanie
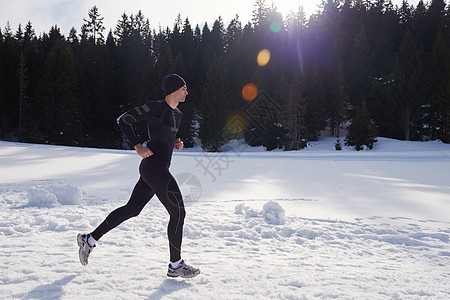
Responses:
[172,83]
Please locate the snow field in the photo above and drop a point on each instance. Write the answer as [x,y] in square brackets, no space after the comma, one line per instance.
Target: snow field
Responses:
[313,224]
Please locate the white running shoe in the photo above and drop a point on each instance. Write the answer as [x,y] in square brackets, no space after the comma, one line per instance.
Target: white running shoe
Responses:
[183,270]
[85,248]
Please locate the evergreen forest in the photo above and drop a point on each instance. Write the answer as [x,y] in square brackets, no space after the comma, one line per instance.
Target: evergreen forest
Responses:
[355,70]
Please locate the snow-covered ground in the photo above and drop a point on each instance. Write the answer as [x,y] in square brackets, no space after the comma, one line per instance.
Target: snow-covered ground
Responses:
[309,224]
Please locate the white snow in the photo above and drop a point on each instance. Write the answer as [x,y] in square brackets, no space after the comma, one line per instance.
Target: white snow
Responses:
[54,195]
[308,224]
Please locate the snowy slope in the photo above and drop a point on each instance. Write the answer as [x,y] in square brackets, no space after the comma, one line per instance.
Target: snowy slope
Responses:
[309,224]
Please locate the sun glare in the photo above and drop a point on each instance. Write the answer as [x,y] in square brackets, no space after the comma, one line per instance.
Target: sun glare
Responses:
[285,6]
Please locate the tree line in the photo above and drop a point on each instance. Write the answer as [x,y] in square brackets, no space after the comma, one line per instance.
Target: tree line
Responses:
[356,69]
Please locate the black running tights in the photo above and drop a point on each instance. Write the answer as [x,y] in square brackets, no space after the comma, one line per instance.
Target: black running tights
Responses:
[155,179]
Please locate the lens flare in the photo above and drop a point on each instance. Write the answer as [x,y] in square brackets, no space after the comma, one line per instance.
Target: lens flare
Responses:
[236,123]
[249,91]
[275,27]
[263,57]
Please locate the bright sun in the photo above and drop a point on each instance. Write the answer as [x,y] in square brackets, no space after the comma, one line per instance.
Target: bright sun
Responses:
[285,6]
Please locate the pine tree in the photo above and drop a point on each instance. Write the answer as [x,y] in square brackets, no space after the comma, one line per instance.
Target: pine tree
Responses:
[233,62]
[134,61]
[123,30]
[9,111]
[405,13]
[408,90]
[382,29]
[72,38]
[213,107]
[175,40]
[141,29]
[259,15]
[233,33]
[361,68]
[2,104]
[217,39]
[32,64]
[204,55]
[19,34]
[437,119]
[315,119]
[186,64]
[7,33]
[23,82]
[419,24]
[57,106]
[339,102]
[294,114]
[95,78]
[189,46]
[361,131]
[435,17]
[93,27]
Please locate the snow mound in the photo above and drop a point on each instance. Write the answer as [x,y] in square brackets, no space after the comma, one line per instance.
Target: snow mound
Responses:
[54,195]
[272,212]
[41,198]
[247,211]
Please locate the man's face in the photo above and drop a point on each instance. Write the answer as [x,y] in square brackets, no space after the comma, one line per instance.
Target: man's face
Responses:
[181,94]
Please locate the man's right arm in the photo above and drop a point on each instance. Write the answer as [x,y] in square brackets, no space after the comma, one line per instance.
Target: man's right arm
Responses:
[125,122]
[127,119]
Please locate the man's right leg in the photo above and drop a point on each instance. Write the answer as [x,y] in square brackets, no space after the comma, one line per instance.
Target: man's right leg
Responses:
[140,196]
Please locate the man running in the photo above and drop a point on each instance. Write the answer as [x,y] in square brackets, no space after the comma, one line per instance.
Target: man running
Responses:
[163,121]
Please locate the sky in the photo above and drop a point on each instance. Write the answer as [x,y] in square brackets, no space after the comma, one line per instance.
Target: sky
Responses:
[43,14]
